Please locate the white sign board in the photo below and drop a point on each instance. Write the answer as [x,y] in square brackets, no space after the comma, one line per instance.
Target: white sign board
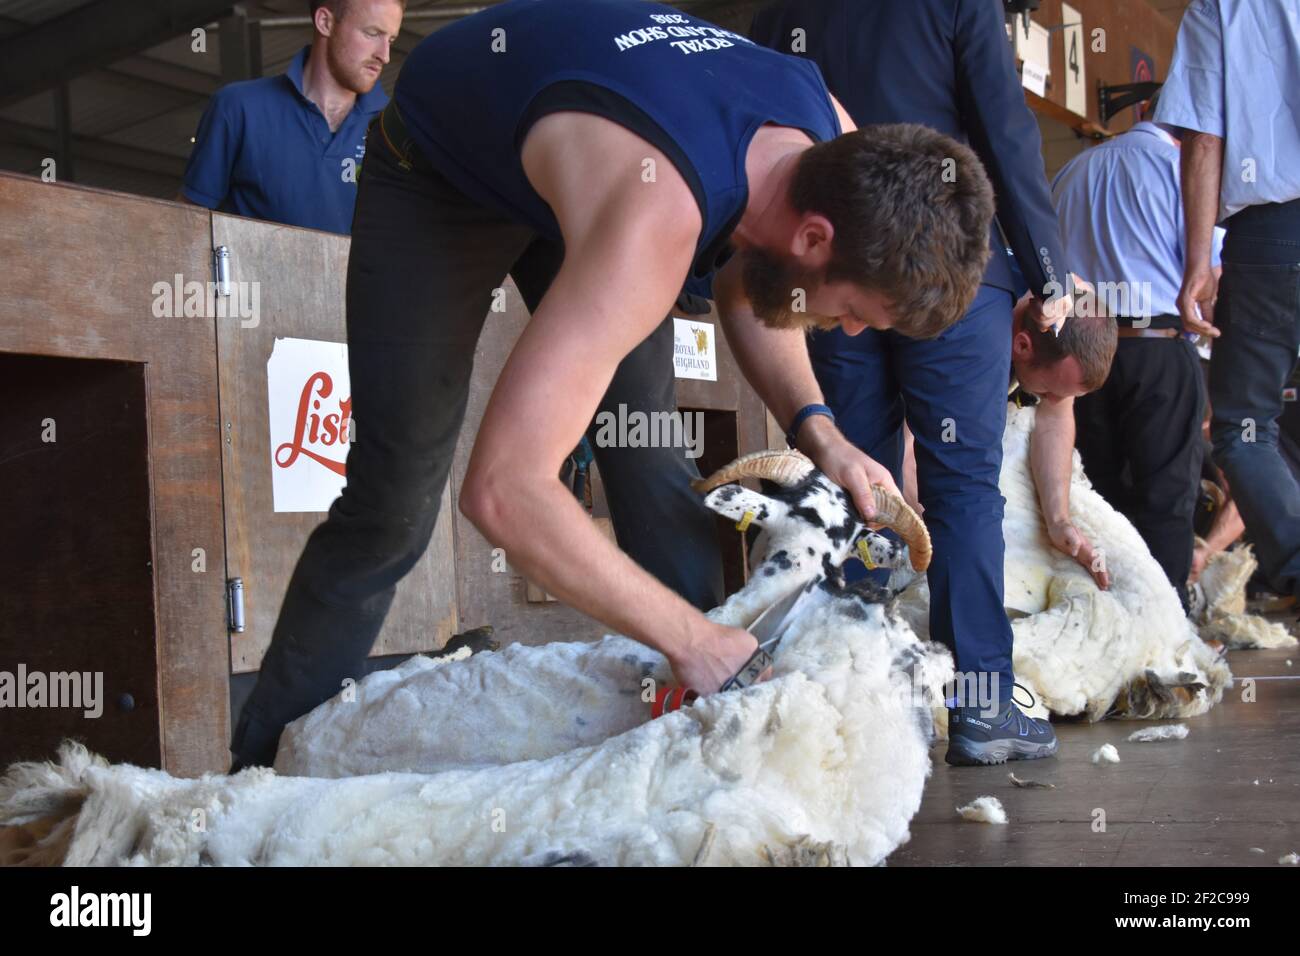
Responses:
[695,353]
[1031,42]
[1076,84]
[309,398]
[1034,78]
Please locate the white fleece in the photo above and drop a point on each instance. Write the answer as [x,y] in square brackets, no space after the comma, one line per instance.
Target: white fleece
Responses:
[1129,651]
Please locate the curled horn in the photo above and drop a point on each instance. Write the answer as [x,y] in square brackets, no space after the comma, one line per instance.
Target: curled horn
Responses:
[788,468]
[893,512]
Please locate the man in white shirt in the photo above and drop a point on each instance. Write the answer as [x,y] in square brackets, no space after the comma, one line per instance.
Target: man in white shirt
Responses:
[1139,435]
[1234,89]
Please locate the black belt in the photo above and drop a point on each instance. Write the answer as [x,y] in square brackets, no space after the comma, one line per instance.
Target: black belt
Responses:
[1127,332]
[1154,322]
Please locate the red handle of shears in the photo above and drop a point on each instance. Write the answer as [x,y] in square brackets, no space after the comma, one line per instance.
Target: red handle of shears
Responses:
[669,699]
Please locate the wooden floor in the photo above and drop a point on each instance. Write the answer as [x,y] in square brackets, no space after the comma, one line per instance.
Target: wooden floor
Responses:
[1232,784]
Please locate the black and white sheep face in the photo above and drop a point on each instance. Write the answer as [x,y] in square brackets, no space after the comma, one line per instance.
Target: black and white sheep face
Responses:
[891,555]
[811,526]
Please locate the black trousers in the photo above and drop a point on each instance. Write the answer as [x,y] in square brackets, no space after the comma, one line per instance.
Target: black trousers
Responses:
[423,266]
[1259,314]
[1139,436]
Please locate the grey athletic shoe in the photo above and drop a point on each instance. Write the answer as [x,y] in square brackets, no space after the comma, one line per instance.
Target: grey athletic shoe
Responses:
[974,739]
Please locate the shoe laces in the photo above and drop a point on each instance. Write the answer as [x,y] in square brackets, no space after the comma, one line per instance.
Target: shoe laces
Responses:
[1024,723]
[1032,701]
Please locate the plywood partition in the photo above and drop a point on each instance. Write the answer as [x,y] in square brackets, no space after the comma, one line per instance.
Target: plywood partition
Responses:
[299,276]
[80,269]
[161,483]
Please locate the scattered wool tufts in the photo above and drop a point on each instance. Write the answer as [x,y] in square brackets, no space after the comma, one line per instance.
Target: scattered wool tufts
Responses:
[1256,849]
[1029,784]
[984,810]
[1291,859]
[1107,753]
[1164,732]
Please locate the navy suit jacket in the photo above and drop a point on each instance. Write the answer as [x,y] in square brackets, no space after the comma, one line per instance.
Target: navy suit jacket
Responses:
[946,64]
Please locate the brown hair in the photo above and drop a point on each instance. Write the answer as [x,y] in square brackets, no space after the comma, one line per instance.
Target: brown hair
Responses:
[1089,335]
[911,209]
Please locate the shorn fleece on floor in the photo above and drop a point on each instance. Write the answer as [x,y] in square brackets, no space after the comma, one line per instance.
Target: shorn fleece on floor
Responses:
[816,757]
[546,755]
[1129,651]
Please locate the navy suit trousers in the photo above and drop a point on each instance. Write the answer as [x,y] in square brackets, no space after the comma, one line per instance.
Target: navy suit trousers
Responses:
[953,392]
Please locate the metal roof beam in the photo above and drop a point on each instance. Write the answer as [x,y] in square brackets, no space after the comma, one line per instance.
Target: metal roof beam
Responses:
[93,36]
[40,140]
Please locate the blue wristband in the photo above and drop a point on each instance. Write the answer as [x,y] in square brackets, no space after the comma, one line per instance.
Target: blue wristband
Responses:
[805,413]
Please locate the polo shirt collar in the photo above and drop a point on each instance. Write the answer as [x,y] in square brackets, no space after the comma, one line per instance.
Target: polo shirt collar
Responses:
[296,67]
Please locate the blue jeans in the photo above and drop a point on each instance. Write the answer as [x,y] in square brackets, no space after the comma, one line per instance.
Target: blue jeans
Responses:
[1259,314]
[953,392]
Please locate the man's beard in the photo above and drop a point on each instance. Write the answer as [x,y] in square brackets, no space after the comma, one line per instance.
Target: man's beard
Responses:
[771,286]
[356,79]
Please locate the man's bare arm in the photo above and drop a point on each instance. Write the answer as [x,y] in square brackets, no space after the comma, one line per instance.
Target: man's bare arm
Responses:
[627,250]
[1202,171]
[1051,459]
[846,121]
[911,487]
[1226,528]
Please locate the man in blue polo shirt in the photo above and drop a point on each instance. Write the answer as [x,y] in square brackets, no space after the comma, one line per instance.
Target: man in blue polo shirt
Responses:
[287,148]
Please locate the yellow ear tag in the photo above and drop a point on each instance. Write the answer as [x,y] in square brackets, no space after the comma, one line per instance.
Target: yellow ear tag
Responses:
[864,552]
[743,524]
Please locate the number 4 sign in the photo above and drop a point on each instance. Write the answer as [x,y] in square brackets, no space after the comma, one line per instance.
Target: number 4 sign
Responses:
[1076,98]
